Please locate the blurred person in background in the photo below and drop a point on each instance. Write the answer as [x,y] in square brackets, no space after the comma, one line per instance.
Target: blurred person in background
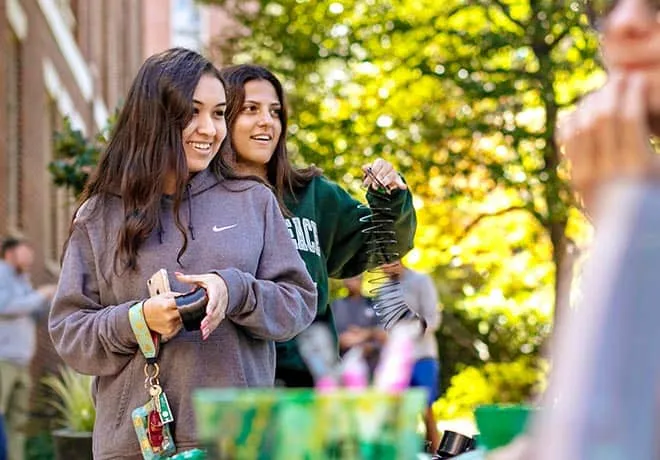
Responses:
[325,223]
[357,323]
[3,440]
[607,140]
[419,294]
[19,304]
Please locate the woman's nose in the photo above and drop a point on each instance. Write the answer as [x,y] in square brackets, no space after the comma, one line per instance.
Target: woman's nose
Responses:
[265,118]
[631,19]
[206,126]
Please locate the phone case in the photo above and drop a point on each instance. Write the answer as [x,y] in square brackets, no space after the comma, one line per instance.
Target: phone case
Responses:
[192,308]
[158,283]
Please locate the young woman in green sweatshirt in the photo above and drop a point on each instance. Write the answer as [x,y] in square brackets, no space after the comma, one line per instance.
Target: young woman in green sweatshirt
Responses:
[323,220]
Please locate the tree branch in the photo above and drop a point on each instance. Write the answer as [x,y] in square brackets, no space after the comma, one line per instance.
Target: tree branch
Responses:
[573,101]
[560,37]
[478,219]
[507,12]
[510,74]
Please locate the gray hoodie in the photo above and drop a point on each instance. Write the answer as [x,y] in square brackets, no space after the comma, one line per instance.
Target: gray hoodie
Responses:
[236,230]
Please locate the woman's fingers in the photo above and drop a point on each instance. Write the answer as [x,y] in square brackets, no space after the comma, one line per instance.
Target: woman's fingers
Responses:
[605,141]
[634,131]
[161,315]
[190,279]
[607,136]
[381,173]
[217,305]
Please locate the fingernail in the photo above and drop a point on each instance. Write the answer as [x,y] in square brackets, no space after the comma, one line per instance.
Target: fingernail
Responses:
[178,273]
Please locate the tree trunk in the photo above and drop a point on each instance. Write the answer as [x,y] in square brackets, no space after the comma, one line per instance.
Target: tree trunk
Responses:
[563,260]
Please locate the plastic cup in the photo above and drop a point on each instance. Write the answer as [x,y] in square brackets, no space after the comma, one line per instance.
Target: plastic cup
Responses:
[498,424]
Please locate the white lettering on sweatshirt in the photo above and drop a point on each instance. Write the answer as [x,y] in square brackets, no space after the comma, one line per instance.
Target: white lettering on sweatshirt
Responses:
[304,233]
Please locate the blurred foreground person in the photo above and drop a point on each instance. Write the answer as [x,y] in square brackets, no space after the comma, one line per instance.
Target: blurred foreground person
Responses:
[602,401]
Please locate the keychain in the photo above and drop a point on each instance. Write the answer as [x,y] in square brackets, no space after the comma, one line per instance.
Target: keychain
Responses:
[151,421]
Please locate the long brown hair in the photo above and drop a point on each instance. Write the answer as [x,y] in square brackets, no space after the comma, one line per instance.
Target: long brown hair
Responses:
[146,146]
[282,176]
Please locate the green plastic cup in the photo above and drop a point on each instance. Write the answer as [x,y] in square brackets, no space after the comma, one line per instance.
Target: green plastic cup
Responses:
[498,424]
[193,454]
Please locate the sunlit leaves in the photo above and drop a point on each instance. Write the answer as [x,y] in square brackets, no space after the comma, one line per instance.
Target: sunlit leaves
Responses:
[463,97]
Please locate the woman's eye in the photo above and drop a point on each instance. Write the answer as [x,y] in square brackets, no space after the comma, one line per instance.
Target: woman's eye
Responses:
[220,113]
[276,112]
[195,111]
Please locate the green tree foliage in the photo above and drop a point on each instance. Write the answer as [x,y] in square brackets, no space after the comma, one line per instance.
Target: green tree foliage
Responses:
[472,337]
[463,96]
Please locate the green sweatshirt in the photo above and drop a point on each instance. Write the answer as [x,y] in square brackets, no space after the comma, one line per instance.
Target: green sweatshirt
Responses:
[328,233]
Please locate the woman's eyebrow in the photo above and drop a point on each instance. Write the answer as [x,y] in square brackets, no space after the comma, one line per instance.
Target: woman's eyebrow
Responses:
[251,101]
[219,104]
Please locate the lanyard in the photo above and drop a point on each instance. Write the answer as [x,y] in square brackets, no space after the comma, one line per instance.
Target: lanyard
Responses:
[148,341]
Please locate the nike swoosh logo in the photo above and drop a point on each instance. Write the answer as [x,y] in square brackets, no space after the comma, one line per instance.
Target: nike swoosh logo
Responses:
[221,229]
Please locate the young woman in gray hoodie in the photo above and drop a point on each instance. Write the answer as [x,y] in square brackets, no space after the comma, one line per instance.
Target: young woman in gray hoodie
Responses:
[158,200]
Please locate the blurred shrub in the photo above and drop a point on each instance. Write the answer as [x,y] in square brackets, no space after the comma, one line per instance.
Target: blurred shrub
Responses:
[512,382]
[76,156]
[476,337]
[74,402]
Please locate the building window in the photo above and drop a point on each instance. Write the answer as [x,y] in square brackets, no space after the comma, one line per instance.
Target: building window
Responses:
[186,24]
[67,9]
[14,118]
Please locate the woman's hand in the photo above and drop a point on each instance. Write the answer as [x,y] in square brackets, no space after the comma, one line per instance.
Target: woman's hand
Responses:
[385,173]
[216,290]
[162,315]
[608,136]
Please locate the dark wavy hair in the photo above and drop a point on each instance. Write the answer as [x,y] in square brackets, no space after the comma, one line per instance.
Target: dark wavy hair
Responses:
[146,146]
[282,176]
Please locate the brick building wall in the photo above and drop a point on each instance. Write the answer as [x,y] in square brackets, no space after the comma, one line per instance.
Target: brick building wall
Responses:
[58,58]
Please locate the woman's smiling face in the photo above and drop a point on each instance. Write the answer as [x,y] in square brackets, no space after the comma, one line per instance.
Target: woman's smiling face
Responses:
[207,128]
[257,128]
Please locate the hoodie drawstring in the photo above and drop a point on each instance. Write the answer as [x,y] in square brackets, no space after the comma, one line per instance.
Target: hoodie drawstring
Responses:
[190,212]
